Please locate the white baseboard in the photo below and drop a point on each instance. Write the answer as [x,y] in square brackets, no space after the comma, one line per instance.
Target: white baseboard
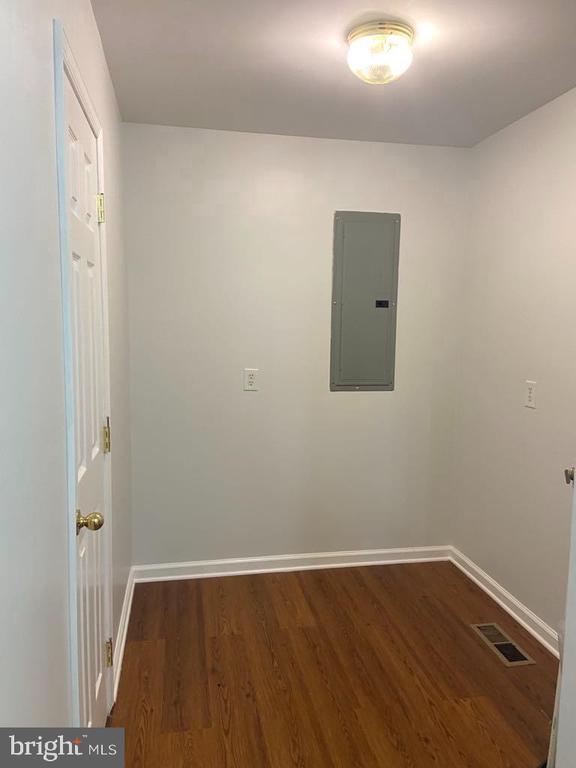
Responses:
[521,613]
[123,630]
[201,569]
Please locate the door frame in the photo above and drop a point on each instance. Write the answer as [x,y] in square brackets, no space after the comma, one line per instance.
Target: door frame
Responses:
[566,693]
[65,66]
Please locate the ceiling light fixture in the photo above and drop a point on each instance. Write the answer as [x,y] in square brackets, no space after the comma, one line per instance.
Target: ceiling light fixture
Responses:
[381,51]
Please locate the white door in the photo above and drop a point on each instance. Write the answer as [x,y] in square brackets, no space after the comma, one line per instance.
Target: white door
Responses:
[566,738]
[90,397]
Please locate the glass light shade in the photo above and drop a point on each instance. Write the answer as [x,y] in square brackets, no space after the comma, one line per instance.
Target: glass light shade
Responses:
[380,52]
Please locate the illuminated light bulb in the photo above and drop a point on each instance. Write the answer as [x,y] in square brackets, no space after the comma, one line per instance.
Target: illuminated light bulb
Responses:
[381,51]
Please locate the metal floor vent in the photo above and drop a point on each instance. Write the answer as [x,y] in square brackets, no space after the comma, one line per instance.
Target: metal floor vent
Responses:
[507,651]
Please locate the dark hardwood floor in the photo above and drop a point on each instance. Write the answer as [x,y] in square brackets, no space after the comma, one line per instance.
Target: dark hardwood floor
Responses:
[357,667]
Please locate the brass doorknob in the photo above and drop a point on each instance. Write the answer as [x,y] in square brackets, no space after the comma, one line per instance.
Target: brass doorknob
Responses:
[94,521]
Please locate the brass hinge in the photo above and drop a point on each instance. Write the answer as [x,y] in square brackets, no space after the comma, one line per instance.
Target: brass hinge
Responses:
[109,653]
[106,438]
[100,207]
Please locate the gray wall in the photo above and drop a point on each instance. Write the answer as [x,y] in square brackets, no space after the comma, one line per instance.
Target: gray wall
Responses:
[230,247]
[230,256]
[33,593]
[229,239]
[510,508]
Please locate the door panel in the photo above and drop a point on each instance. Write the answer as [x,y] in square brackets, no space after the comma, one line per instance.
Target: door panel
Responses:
[89,394]
[563,749]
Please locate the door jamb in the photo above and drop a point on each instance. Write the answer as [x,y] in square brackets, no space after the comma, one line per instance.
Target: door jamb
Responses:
[65,66]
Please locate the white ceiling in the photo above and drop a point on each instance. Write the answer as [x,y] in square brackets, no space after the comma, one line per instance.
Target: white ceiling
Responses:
[279,66]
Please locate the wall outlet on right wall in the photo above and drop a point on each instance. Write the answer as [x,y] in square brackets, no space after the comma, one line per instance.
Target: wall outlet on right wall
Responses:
[250,379]
[530,395]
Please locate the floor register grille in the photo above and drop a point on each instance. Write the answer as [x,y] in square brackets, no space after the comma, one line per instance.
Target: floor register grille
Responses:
[503,646]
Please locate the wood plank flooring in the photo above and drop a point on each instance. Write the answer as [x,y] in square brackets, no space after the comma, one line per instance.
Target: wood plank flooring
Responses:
[371,667]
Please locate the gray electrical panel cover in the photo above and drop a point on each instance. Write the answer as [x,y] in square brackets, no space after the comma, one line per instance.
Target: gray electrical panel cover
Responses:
[364,300]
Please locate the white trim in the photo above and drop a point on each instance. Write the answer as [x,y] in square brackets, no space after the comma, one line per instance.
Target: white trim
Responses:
[270,563]
[521,613]
[200,569]
[120,643]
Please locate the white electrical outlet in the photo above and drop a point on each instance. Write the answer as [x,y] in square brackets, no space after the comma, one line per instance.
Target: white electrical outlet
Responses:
[530,401]
[251,379]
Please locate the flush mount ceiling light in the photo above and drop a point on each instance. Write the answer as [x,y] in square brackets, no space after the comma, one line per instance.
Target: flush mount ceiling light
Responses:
[381,51]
